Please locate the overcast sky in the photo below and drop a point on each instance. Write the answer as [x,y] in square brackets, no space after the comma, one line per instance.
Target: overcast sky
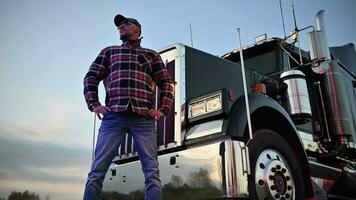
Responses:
[46,47]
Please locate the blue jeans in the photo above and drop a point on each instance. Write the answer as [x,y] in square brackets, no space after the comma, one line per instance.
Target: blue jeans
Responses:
[113,127]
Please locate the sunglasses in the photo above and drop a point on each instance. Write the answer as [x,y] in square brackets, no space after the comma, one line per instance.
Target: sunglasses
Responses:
[125,22]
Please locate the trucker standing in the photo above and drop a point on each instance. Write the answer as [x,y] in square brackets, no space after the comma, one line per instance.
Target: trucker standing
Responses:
[130,74]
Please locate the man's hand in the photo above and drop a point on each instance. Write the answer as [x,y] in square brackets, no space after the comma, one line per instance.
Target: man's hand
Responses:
[101,110]
[155,114]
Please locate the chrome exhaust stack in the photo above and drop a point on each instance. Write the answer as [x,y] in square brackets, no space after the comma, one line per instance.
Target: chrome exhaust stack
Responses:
[333,84]
[318,45]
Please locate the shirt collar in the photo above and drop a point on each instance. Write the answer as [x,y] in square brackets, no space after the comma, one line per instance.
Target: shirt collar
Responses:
[132,43]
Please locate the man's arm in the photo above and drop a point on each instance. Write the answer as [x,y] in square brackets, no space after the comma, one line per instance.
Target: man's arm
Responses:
[97,72]
[164,81]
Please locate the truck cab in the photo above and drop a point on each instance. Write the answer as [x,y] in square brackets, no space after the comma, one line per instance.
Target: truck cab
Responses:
[303,127]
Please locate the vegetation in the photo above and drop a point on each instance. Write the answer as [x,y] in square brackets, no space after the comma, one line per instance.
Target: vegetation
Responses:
[26,195]
[197,186]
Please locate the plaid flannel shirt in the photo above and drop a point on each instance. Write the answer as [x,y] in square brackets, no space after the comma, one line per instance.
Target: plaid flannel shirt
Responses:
[130,74]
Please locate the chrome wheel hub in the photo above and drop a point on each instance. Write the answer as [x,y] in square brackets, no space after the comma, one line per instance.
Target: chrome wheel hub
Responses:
[273,178]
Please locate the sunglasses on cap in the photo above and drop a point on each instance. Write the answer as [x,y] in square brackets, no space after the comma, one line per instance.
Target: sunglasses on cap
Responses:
[131,21]
[123,23]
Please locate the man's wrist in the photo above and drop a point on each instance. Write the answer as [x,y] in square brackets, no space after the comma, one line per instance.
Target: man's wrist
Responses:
[94,105]
[163,111]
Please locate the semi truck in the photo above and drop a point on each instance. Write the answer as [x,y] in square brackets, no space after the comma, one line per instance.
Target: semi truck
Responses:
[290,133]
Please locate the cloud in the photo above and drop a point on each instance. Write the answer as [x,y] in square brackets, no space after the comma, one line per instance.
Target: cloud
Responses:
[28,130]
[24,156]
[48,114]
[42,167]
[45,147]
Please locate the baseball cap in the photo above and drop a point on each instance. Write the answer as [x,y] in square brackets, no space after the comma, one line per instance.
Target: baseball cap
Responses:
[120,18]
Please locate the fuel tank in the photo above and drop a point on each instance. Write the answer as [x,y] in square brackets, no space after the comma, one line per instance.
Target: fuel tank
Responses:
[201,172]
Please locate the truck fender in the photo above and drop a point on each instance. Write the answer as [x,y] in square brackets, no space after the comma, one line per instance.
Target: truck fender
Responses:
[266,113]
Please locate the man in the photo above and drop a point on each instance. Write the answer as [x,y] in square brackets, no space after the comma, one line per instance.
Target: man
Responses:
[130,74]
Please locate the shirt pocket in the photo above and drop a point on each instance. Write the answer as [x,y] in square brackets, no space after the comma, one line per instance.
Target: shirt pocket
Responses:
[144,63]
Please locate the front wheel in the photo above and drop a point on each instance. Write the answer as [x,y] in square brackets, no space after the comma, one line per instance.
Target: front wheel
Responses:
[275,172]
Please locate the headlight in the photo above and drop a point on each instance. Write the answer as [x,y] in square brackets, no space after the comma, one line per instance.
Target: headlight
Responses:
[204,105]
[198,108]
[214,103]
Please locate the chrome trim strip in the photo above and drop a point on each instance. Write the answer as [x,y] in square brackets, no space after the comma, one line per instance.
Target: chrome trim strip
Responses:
[177,52]
[126,145]
[236,179]
[205,129]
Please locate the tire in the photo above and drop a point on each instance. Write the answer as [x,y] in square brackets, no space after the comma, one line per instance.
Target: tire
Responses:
[275,172]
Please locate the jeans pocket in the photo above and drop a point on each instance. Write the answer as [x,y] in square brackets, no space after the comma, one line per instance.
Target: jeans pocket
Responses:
[108,114]
[149,117]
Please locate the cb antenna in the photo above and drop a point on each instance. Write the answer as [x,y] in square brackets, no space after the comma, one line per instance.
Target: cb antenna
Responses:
[294,18]
[191,34]
[297,34]
[284,27]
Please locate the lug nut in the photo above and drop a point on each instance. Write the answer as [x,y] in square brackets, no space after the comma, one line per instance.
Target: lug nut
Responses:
[268,156]
[262,166]
[261,182]
[278,167]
